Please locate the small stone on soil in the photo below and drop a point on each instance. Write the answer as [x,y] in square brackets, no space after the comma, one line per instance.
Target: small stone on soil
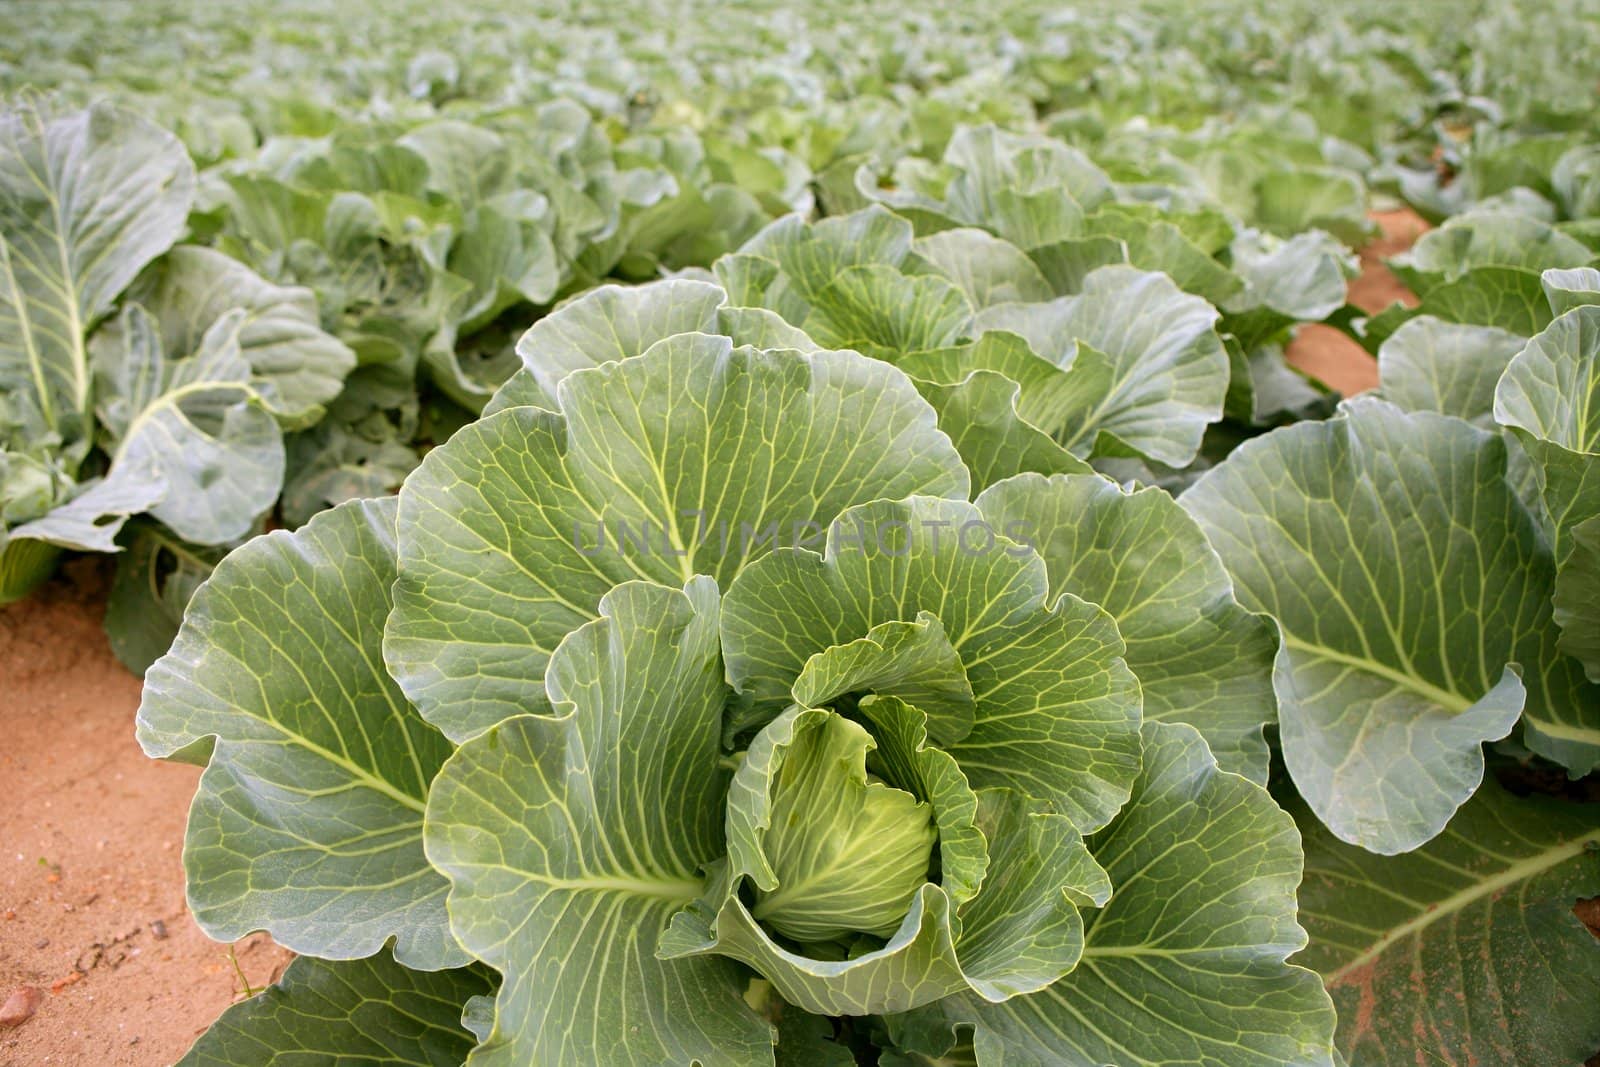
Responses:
[19,1007]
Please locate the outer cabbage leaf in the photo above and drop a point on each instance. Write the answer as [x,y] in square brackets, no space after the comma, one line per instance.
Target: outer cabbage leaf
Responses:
[1293,199]
[336,461]
[1065,264]
[94,515]
[570,841]
[1199,656]
[791,263]
[1567,289]
[1550,396]
[879,311]
[157,575]
[697,457]
[985,268]
[980,415]
[347,1013]
[86,200]
[1028,189]
[1185,964]
[846,281]
[1509,298]
[1487,238]
[1151,239]
[1450,368]
[294,363]
[308,819]
[1412,594]
[1139,365]
[1483,267]
[1301,279]
[196,423]
[614,322]
[1467,950]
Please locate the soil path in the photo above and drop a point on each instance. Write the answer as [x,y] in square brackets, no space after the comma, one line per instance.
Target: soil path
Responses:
[91,833]
[1332,357]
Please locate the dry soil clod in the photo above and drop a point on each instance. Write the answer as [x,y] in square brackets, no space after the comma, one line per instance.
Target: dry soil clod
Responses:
[19,1007]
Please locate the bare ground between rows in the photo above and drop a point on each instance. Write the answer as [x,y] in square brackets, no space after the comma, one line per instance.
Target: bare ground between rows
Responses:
[1331,356]
[92,912]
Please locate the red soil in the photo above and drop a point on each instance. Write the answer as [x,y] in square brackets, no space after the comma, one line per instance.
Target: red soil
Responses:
[91,836]
[1332,357]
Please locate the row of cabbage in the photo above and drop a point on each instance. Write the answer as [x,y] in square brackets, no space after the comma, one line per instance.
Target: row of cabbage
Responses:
[788,664]
[769,673]
[432,205]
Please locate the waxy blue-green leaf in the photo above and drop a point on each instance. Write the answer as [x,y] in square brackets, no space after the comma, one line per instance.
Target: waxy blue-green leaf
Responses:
[614,322]
[347,1013]
[507,257]
[979,413]
[809,256]
[883,313]
[1291,200]
[1486,238]
[87,199]
[1467,950]
[1450,368]
[308,820]
[1044,397]
[197,423]
[1301,279]
[1185,964]
[570,840]
[1199,656]
[984,267]
[157,574]
[1150,240]
[337,461]
[1550,396]
[697,457]
[1065,264]
[1509,298]
[467,163]
[296,366]
[89,520]
[1140,359]
[1262,386]
[1025,927]
[1567,289]
[1030,190]
[1057,711]
[1412,594]
[1575,178]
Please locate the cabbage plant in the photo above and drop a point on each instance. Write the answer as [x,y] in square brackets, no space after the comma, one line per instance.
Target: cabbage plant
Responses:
[173,405]
[698,705]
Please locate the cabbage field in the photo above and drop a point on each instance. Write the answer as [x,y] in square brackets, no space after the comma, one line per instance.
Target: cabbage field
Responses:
[796,534]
